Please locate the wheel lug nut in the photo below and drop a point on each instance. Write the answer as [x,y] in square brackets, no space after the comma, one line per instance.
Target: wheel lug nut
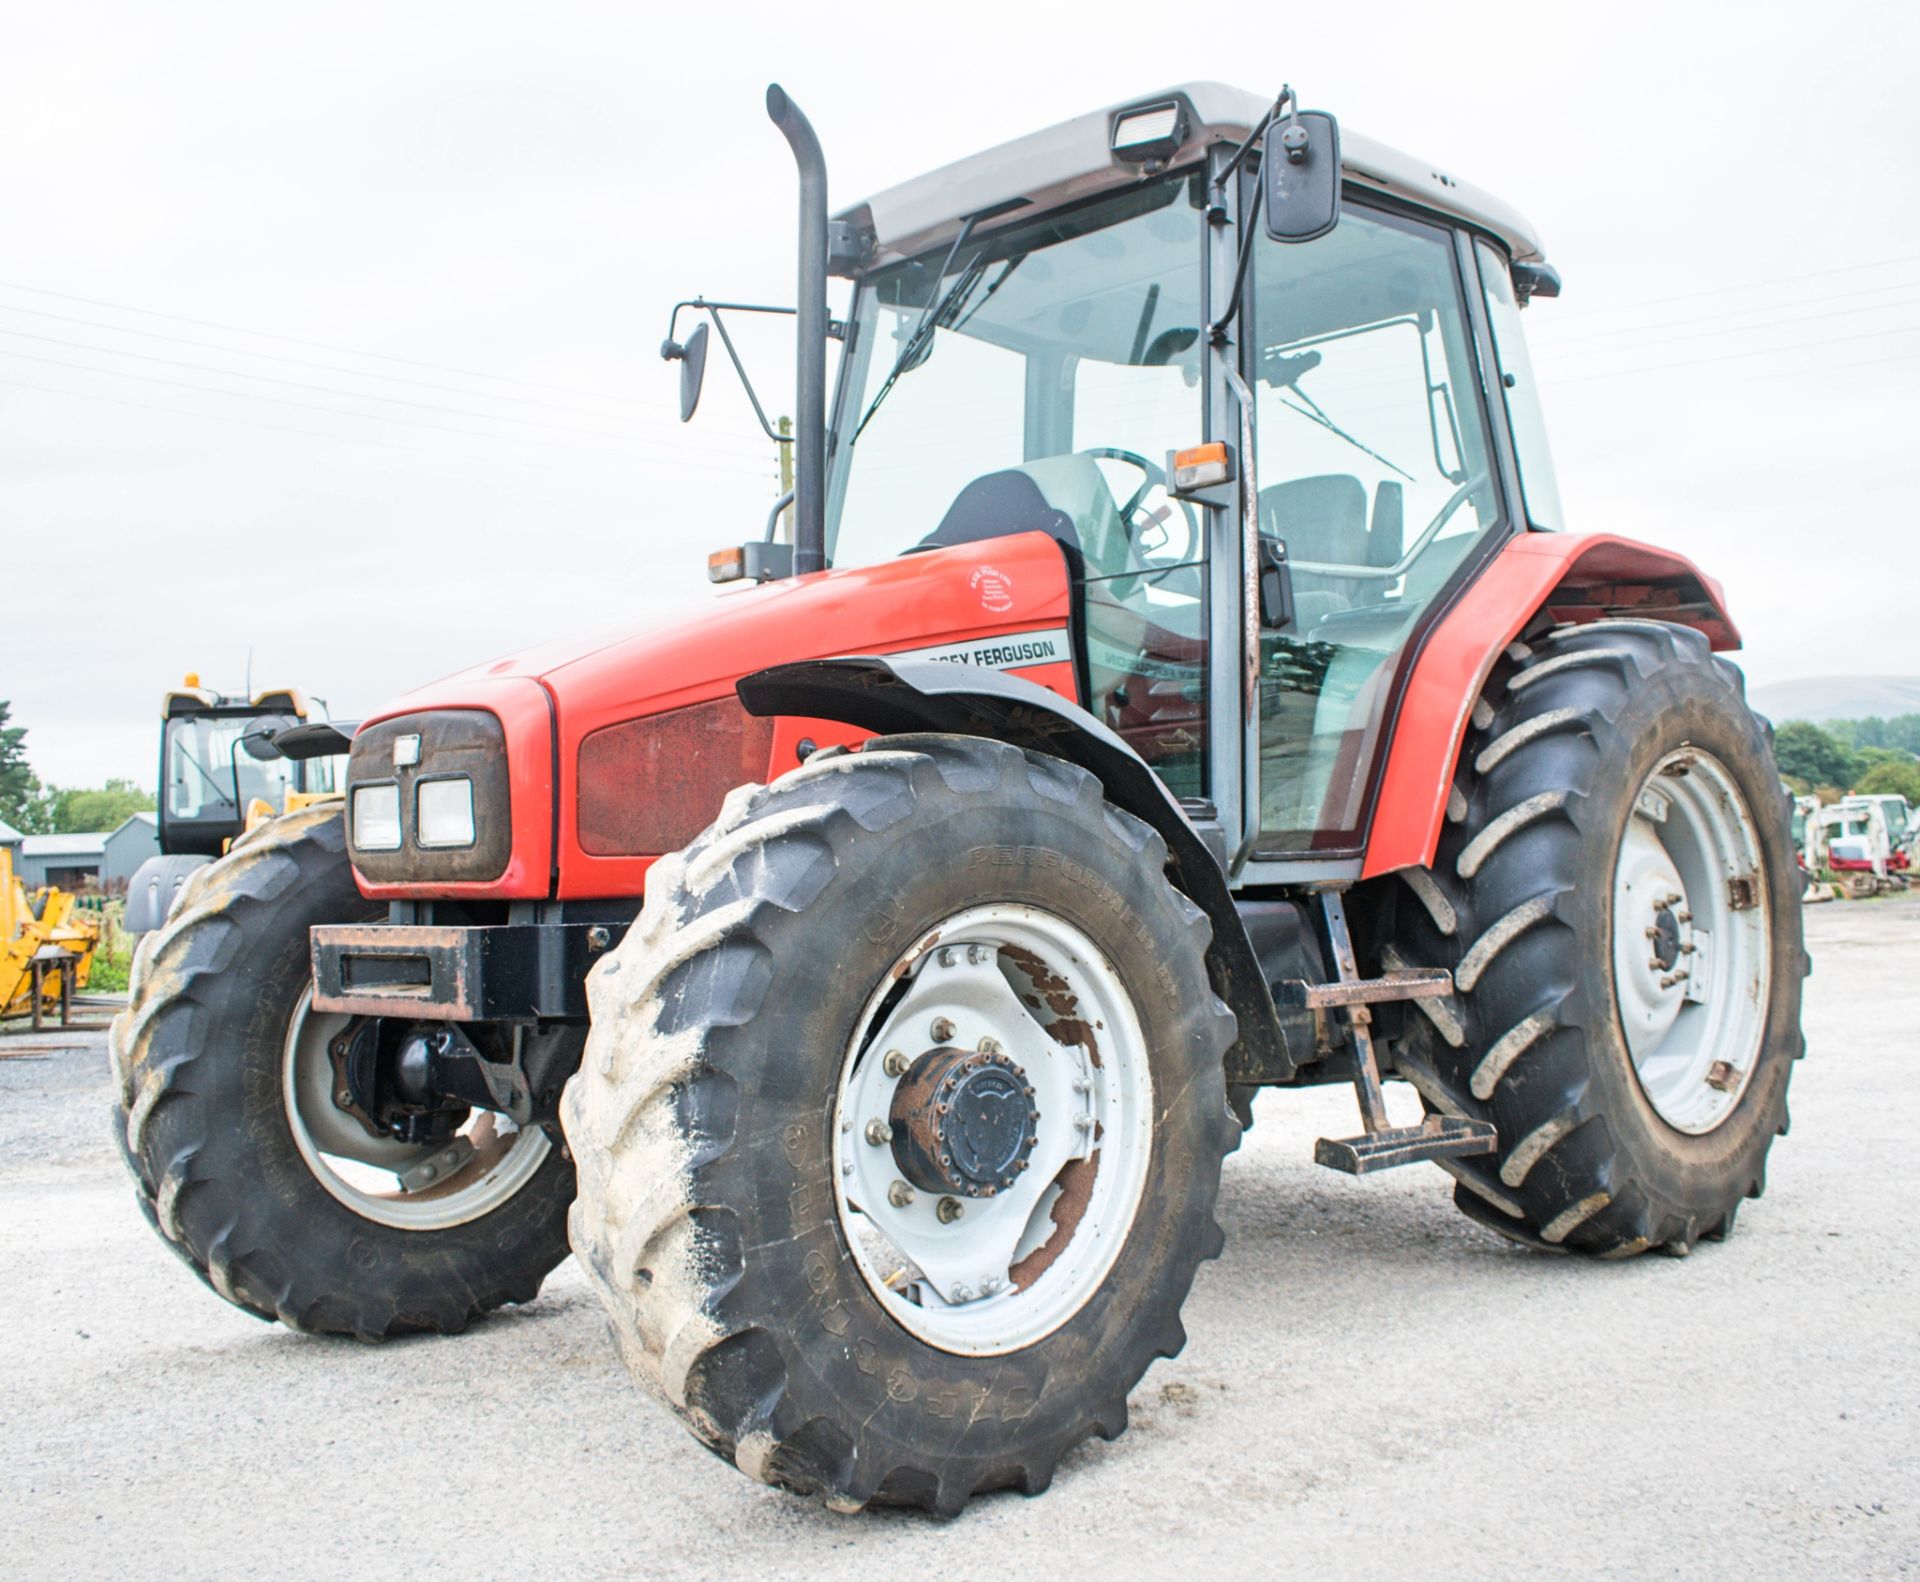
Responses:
[975,955]
[963,1293]
[895,1064]
[879,1133]
[846,1167]
[942,1030]
[949,1209]
[946,957]
[989,1286]
[1083,1123]
[846,1123]
[991,1046]
[1080,1085]
[900,1194]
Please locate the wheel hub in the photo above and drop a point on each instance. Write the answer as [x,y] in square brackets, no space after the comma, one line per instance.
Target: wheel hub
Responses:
[964,1122]
[1665,938]
[993,1128]
[1690,951]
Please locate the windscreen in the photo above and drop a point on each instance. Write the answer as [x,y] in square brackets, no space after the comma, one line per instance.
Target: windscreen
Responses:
[1035,381]
[202,759]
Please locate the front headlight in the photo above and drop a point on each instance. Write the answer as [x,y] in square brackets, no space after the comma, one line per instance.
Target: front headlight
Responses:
[443,812]
[376,818]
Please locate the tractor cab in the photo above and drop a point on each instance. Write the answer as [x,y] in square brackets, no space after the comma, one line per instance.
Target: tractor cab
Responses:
[1102,331]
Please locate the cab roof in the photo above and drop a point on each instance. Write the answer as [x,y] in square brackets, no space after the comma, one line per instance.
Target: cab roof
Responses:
[1075,160]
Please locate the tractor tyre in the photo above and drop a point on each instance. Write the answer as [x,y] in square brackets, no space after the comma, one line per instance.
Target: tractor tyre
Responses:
[852,1015]
[1616,894]
[284,1204]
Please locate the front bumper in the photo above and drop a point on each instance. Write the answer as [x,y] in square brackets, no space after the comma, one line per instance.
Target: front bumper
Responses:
[508,972]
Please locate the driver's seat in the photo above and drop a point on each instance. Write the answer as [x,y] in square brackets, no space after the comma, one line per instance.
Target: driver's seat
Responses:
[1065,497]
[1322,518]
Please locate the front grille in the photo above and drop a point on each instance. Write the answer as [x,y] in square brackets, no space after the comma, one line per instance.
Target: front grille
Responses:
[648,786]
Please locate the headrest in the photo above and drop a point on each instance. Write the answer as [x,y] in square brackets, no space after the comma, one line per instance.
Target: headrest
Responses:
[997,505]
[1321,518]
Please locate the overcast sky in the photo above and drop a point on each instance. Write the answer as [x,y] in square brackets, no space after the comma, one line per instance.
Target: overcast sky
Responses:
[503,201]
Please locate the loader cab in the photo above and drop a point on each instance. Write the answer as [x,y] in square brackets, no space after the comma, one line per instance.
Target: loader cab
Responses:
[217,758]
[1033,362]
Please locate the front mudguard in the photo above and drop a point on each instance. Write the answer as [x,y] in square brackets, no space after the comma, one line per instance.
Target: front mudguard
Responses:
[893,697]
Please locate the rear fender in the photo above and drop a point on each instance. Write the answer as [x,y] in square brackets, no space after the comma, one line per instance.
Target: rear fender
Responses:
[1567,577]
[894,697]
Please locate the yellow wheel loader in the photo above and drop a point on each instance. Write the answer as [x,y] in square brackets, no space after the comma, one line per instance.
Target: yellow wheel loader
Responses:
[227,765]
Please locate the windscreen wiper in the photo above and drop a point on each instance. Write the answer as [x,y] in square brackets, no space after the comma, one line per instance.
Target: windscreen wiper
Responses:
[1314,413]
[206,774]
[922,336]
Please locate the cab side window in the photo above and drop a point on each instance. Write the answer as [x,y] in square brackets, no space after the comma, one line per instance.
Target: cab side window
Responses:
[1529,425]
[1375,472]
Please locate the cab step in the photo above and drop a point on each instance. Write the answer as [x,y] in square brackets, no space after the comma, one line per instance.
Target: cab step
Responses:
[1381,1146]
[1438,1137]
[1408,983]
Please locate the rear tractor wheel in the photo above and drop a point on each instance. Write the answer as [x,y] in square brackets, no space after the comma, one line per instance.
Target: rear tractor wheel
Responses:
[900,1123]
[1616,894]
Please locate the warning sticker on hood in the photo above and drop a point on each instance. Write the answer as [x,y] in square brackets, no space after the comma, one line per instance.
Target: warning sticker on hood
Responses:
[1015,651]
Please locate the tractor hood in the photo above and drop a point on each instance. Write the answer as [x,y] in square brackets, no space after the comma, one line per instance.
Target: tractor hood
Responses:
[958,604]
[939,598]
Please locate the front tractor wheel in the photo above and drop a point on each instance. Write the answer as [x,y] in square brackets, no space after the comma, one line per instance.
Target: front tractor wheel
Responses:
[250,1153]
[1617,897]
[900,1123]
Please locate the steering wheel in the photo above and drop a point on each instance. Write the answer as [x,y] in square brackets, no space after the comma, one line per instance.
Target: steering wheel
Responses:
[1153,476]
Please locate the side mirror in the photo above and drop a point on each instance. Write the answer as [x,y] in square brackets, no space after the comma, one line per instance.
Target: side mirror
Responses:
[257,741]
[1300,172]
[692,357]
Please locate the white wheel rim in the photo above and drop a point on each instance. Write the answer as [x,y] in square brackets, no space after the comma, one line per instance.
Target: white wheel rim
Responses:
[483,1166]
[1014,1267]
[1691,941]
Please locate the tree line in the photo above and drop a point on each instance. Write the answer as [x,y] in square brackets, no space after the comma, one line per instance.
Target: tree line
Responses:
[1873,756]
[36,809]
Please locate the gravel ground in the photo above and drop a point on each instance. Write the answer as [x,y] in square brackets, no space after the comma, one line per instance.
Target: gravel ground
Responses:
[1373,1386]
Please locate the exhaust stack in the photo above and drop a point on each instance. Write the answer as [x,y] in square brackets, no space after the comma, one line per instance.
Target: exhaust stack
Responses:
[810,359]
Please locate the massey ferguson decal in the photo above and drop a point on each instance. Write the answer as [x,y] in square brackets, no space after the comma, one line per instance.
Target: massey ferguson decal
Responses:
[1015,651]
[995,588]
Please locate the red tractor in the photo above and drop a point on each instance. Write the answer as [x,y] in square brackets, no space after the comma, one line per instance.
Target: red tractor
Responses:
[1177,684]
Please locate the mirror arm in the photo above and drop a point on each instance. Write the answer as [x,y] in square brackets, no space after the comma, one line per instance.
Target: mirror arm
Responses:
[672,348]
[1217,211]
[746,383]
[1217,330]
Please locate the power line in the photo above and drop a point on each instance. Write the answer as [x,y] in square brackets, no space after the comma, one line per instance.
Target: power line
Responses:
[351,395]
[1816,368]
[1670,340]
[1599,397]
[314,433]
[355,373]
[1551,340]
[325,346]
[312,406]
[1721,291]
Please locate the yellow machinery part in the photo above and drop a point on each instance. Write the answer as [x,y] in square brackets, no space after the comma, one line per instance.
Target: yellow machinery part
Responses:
[22,934]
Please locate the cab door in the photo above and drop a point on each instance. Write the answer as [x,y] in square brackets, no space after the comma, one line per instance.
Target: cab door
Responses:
[1375,470]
